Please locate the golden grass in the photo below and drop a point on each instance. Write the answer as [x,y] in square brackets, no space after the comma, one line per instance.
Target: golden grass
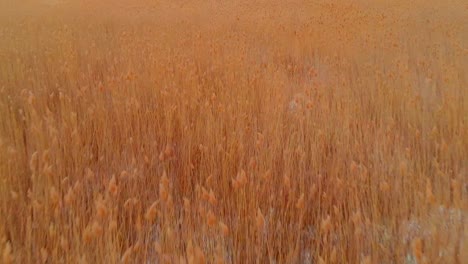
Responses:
[233,132]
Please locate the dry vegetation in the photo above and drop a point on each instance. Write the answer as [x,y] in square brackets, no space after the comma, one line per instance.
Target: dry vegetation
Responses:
[233,131]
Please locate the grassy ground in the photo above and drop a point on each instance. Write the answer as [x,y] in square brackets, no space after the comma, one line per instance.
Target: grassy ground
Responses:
[233,131]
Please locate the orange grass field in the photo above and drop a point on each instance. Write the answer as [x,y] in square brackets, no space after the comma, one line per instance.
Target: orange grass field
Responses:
[184,131]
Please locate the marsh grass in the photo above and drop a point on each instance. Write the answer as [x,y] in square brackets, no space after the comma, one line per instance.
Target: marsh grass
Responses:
[163,132]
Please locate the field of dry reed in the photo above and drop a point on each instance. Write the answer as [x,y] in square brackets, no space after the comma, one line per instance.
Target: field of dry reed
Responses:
[183,131]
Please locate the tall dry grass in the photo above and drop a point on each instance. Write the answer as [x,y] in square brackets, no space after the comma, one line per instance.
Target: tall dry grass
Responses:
[233,132]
